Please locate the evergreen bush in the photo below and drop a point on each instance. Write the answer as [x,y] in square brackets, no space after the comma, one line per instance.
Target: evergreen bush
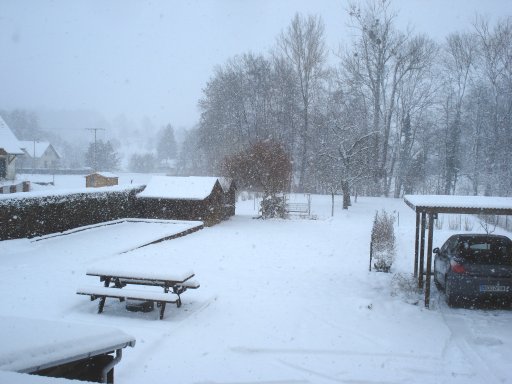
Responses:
[273,206]
[383,241]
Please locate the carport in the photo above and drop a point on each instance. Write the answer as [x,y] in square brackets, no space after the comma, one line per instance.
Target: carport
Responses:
[431,206]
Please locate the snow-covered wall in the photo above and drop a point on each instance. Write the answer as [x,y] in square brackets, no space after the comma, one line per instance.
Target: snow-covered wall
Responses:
[30,215]
[33,214]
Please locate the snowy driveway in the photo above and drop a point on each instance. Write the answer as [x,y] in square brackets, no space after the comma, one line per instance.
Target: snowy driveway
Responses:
[281,301]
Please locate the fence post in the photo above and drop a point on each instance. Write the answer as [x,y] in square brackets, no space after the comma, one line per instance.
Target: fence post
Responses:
[371,251]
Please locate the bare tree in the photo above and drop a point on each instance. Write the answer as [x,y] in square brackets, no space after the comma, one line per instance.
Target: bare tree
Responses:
[302,44]
[345,144]
[495,67]
[415,95]
[459,59]
[380,60]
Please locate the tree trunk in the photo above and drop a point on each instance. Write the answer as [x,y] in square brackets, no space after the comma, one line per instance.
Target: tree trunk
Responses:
[332,205]
[346,194]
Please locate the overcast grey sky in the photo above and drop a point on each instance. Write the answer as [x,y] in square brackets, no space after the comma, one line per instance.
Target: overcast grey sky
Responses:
[153,58]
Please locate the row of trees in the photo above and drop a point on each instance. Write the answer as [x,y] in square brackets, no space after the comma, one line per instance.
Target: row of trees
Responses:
[399,114]
[102,155]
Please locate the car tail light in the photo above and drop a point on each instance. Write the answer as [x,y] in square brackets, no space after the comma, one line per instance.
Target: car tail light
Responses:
[457,268]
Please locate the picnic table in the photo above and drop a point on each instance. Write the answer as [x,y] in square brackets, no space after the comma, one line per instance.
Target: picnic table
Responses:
[115,280]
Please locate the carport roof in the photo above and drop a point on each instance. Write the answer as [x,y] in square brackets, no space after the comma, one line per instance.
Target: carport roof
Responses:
[460,204]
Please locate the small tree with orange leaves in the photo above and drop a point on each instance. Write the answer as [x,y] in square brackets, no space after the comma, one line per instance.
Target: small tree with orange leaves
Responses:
[265,166]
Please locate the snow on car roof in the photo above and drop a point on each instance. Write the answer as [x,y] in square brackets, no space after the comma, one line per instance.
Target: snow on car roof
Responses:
[33,344]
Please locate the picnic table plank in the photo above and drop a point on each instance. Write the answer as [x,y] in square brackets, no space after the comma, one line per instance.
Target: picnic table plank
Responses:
[123,273]
[131,294]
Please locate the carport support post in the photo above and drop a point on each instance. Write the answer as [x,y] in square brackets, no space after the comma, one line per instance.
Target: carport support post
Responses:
[431,216]
[422,250]
[416,244]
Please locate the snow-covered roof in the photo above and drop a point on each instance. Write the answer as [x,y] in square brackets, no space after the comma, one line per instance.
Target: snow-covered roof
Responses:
[37,147]
[56,193]
[33,344]
[458,204]
[179,188]
[104,174]
[225,183]
[8,142]
[26,378]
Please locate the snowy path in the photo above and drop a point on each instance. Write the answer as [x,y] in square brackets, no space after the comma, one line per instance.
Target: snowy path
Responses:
[480,346]
[281,301]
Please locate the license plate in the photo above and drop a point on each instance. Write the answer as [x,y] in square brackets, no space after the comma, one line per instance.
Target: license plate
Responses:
[494,288]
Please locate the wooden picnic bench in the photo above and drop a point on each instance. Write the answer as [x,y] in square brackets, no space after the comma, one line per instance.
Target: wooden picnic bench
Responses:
[114,283]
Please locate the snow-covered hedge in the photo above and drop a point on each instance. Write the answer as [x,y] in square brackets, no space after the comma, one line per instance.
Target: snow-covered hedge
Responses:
[383,241]
[29,215]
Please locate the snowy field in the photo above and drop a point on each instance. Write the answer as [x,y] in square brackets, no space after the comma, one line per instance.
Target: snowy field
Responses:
[281,301]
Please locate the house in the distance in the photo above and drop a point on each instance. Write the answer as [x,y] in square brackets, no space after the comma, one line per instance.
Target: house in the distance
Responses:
[39,155]
[10,148]
[101,179]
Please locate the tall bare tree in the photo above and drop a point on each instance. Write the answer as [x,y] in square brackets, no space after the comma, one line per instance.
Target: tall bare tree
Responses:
[415,94]
[302,44]
[378,61]
[459,59]
[495,67]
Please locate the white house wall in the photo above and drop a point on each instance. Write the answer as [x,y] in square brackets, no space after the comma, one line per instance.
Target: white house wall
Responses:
[10,170]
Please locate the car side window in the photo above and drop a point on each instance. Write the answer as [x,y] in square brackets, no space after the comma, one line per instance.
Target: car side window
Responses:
[449,245]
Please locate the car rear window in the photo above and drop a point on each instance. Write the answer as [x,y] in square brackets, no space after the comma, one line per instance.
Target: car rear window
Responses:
[488,251]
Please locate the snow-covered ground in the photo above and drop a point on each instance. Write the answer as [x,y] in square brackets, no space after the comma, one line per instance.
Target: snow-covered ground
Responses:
[281,301]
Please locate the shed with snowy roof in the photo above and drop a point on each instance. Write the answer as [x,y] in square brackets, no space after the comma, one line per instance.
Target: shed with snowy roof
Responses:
[101,179]
[183,198]
[10,148]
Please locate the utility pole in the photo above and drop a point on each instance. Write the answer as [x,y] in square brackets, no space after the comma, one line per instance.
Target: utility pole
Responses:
[34,156]
[94,159]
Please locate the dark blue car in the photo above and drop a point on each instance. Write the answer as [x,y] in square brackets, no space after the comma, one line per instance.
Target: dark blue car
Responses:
[474,267]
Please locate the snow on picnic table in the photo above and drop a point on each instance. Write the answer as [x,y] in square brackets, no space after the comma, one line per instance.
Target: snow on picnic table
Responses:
[34,344]
[281,301]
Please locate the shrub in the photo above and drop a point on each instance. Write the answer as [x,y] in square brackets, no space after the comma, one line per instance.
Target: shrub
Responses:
[383,241]
[273,206]
[405,286]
